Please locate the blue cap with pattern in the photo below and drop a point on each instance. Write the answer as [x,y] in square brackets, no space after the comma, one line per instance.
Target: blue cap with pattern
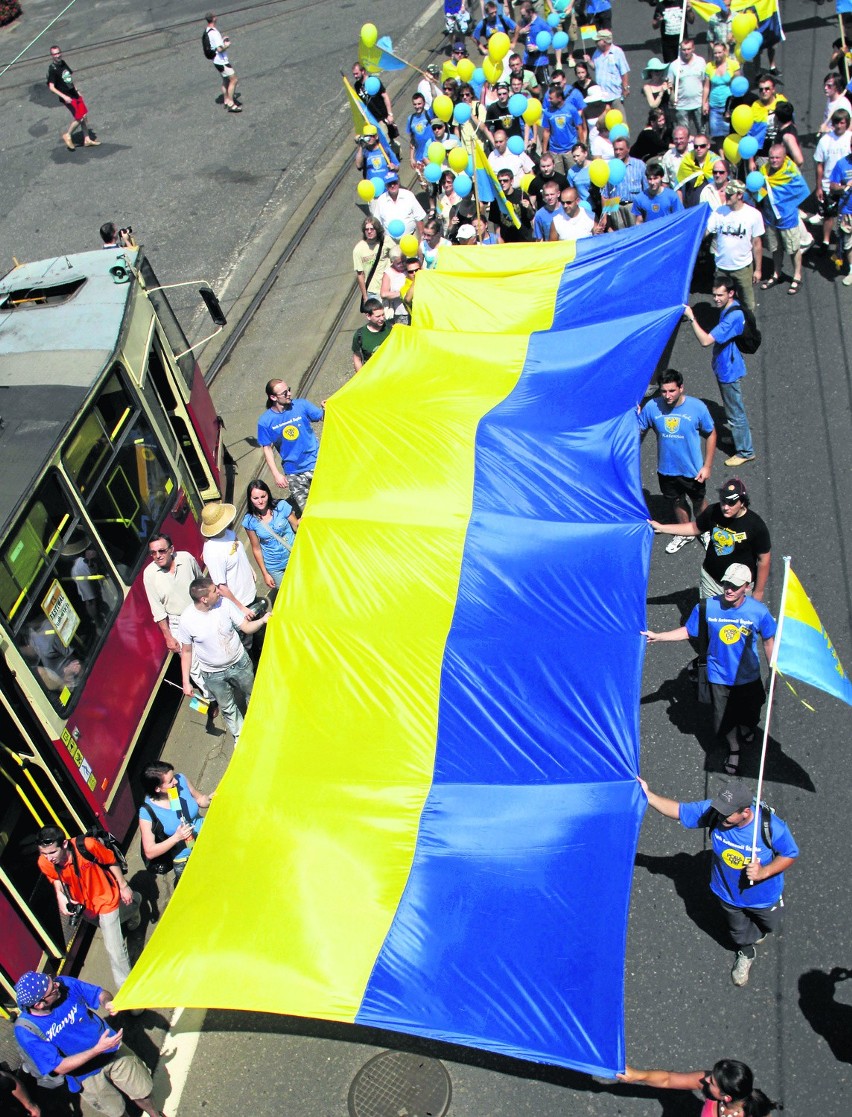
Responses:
[31,988]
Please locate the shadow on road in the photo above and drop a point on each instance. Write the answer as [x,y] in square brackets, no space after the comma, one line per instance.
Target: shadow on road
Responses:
[690,874]
[827,1016]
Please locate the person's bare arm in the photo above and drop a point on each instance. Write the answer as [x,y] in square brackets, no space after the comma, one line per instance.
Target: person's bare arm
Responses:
[663,1079]
[764,562]
[668,807]
[277,476]
[709,450]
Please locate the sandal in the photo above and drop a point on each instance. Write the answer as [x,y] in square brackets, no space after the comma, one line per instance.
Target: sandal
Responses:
[773,281]
[794,287]
[732,763]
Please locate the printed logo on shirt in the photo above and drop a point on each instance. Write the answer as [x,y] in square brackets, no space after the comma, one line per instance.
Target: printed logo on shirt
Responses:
[290,432]
[734,859]
[724,540]
[730,633]
[672,424]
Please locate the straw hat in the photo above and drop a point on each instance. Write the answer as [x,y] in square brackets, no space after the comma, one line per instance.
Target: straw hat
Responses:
[215,517]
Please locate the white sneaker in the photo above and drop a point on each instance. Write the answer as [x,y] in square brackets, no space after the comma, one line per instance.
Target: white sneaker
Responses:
[847,282]
[740,972]
[676,542]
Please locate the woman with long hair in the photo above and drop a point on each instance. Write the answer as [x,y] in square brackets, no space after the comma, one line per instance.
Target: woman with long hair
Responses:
[270,525]
[720,72]
[728,1088]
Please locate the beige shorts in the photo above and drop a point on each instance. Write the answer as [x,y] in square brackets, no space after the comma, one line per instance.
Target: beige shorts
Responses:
[788,238]
[127,1074]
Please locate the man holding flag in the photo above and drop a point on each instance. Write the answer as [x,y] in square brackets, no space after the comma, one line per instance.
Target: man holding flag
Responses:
[784,192]
[750,856]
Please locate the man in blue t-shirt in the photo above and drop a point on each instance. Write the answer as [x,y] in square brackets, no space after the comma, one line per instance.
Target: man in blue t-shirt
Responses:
[420,134]
[840,187]
[734,621]
[550,205]
[679,421]
[747,875]
[562,126]
[728,363]
[60,1033]
[285,426]
[491,23]
[658,200]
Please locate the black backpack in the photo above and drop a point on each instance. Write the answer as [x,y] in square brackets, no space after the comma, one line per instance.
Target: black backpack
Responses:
[749,340]
[106,839]
[209,52]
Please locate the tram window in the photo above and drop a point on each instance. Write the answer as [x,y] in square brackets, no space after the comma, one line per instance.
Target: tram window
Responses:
[169,323]
[56,592]
[115,461]
[158,376]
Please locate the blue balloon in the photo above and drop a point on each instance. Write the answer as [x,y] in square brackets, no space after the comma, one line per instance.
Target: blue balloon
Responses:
[478,76]
[543,40]
[739,86]
[463,185]
[372,85]
[515,145]
[518,104]
[618,132]
[461,113]
[587,207]
[432,172]
[396,228]
[617,171]
[378,184]
[751,44]
[755,182]
[747,147]
[560,40]
[553,19]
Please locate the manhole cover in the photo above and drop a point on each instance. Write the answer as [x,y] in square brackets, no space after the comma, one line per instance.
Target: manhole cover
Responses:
[397,1084]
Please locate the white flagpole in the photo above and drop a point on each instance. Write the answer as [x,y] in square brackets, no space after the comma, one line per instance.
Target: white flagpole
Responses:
[678,59]
[773,672]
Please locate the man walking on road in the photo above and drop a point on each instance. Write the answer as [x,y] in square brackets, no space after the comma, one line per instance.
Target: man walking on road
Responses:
[220,60]
[60,82]
[285,426]
[733,621]
[209,628]
[94,879]
[679,421]
[737,229]
[60,1033]
[749,890]
[728,364]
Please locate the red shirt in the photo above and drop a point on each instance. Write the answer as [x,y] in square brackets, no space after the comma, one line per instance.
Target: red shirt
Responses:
[86,881]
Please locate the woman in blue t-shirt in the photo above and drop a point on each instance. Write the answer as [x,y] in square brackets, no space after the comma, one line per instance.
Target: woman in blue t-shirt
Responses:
[170,816]
[271,528]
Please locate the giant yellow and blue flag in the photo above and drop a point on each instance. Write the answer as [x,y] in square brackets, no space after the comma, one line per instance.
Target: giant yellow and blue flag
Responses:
[431,820]
[803,648]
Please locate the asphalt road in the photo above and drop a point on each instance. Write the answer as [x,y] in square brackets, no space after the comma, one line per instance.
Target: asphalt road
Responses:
[208,193]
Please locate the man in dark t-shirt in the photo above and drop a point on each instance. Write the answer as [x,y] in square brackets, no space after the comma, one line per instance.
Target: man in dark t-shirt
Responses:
[367,338]
[546,173]
[734,534]
[379,104]
[504,225]
[61,82]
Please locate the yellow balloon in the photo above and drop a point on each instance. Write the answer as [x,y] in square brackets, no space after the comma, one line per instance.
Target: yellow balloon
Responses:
[526,183]
[369,34]
[457,159]
[465,69]
[442,107]
[493,70]
[738,54]
[408,245]
[614,117]
[731,149]
[743,24]
[532,113]
[498,46]
[449,72]
[366,190]
[742,119]
[599,172]
[435,152]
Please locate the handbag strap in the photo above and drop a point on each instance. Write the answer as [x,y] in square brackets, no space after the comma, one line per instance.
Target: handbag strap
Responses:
[378,256]
[281,540]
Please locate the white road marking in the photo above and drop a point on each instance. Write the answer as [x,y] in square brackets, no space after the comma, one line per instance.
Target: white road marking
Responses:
[176,1057]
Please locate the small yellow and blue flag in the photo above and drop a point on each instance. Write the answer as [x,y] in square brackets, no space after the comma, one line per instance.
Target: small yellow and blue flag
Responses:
[380,57]
[803,648]
[488,187]
[707,9]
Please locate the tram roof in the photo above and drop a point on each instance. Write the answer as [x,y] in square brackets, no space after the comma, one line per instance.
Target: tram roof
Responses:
[60,322]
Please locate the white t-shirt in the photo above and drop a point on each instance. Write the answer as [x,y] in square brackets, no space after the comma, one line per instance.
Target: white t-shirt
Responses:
[599,148]
[217,43]
[406,209]
[519,165]
[734,233]
[829,151]
[690,82]
[712,196]
[227,564]
[573,228]
[213,634]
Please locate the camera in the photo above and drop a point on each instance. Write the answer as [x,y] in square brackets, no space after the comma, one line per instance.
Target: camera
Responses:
[74,912]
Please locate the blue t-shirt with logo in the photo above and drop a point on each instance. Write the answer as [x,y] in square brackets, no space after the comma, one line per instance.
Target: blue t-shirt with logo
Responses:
[562,124]
[291,433]
[678,431]
[579,179]
[732,852]
[728,363]
[650,208]
[733,632]
[69,1029]
[420,130]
